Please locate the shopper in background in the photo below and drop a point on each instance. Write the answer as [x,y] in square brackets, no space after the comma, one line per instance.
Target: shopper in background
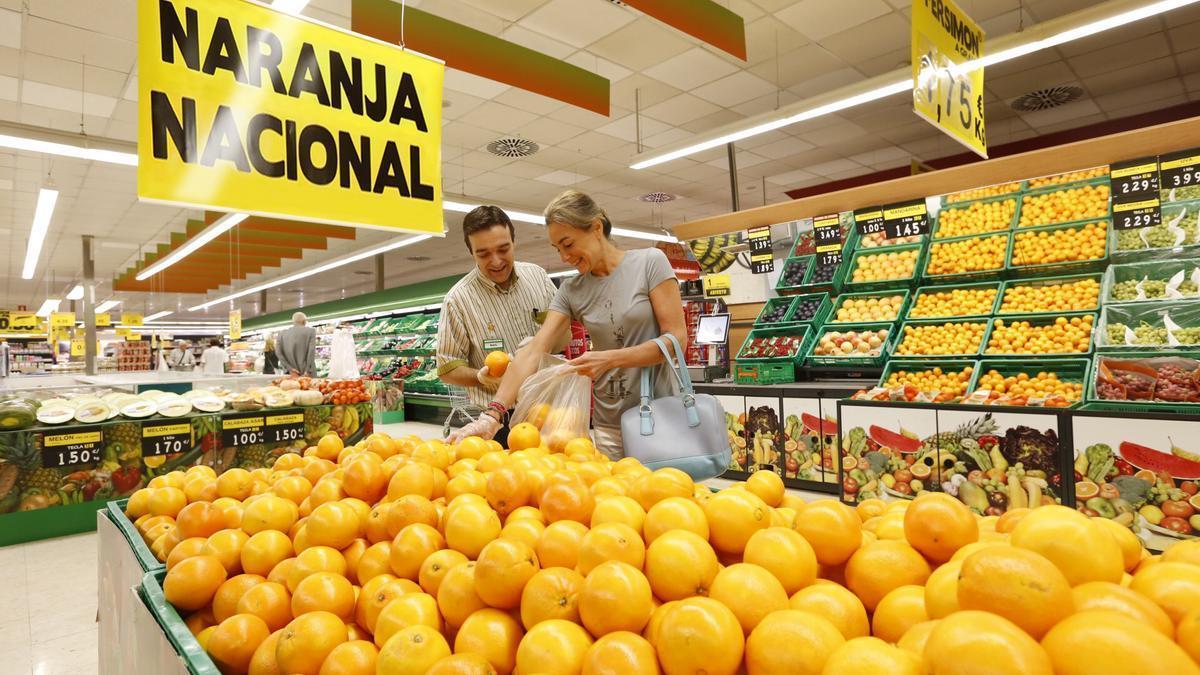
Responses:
[297,347]
[270,358]
[213,359]
[495,307]
[180,358]
[625,299]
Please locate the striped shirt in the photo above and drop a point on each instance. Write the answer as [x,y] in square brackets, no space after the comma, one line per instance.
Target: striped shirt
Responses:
[476,311]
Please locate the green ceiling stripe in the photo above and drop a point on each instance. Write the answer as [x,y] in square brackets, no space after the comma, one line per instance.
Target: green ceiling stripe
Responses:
[703,19]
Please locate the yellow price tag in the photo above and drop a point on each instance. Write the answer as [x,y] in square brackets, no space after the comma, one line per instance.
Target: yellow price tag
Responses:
[947,82]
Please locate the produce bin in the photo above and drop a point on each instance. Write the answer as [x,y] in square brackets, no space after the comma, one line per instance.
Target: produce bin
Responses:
[986,192]
[1183,330]
[1074,371]
[1048,281]
[765,372]
[993,273]
[116,513]
[1179,233]
[926,291]
[882,243]
[936,322]
[1157,279]
[1179,194]
[812,359]
[1146,399]
[939,234]
[844,297]
[915,365]
[773,306]
[804,331]
[1036,320]
[1067,179]
[186,647]
[831,281]
[1058,268]
[783,286]
[846,279]
[1030,194]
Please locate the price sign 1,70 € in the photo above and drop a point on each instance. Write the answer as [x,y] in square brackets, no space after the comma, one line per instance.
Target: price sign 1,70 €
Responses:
[166,438]
[947,82]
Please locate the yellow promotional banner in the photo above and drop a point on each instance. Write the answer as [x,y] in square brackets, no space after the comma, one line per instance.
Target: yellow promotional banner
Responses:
[60,334]
[131,318]
[245,108]
[716,285]
[78,347]
[103,320]
[235,324]
[124,332]
[947,80]
[19,322]
[133,337]
[62,319]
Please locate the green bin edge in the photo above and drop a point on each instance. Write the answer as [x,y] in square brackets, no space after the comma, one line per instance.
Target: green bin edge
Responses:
[116,513]
[185,644]
[996,284]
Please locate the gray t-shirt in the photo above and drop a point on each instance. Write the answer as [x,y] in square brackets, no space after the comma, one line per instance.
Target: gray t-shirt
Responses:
[617,313]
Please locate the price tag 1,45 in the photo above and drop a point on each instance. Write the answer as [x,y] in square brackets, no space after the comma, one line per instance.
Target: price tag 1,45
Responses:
[284,427]
[77,447]
[165,438]
[1179,169]
[238,431]
[906,219]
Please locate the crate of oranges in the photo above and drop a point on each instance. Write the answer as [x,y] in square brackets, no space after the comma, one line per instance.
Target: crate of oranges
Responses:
[957,301]
[1041,335]
[967,257]
[1051,383]
[1057,294]
[942,381]
[869,307]
[1068,178]
[921,339]
[983,193]
[1055,206]
[890,268]
[1053,249]
[977,217]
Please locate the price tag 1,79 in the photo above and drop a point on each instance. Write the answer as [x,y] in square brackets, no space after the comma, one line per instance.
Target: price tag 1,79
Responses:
[241,430]
[906,219]
[285,427]
[1179,169]
[1134,177]
[165,438]
[75,447]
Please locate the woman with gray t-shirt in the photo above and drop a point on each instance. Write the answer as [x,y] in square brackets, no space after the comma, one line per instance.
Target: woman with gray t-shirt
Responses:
[625,299]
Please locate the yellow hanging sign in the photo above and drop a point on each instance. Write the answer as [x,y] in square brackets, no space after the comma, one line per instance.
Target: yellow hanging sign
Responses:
[19,322]
[716,285]
[62,319]
[235,324]
[245,108]
[131,318]
[78,347]
[103,320]
[947,78]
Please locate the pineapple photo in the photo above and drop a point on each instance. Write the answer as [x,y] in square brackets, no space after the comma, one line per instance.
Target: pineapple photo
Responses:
[30,478]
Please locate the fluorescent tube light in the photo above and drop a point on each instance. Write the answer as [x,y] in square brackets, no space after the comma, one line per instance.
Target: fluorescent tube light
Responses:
[219,227]
[564,273]
[157,315]
[48,307]
[65,150]
[514,215]
[75,293]
[106,305]
[638,234]
[333,264]
[37,233]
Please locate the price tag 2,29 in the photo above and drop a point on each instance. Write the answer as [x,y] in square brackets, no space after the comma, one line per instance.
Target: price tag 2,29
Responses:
[1134,177]
[165,438]
[72,448]
[906,219]
[284,427]
[242,430]
[1131,215]
[1179,169]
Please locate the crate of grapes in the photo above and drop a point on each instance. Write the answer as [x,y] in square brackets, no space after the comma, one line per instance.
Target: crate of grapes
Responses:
[1178,234]
[1151,280]
[1154,325]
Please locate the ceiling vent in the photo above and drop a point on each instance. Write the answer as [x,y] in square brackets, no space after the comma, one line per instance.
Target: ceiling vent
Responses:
[512,147]
[657,197]
[1050,97]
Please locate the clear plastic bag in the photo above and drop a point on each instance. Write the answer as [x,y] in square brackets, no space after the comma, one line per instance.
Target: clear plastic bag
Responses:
[557,401]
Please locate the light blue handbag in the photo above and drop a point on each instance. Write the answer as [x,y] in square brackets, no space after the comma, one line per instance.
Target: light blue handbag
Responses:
[685,431]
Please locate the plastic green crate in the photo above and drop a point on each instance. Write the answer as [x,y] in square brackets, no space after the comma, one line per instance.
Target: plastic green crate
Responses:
[116,513]
[831,285]
[861,361]
[937,322]
[1048,281]
[904,294]
[784,289]
[1015,197]
[926,291]
[186,646]
[995,273]
[805,331]
[1130,274]
[823,309]
[914,365]
[964,196]
[1058,268]
[1094,402]
[765,373]
[1180,194]
[770,306]
[1184,313]
[1183,240]
[1056,188]
[1071,370]
[1039,319]
[1030,187]
[850,264]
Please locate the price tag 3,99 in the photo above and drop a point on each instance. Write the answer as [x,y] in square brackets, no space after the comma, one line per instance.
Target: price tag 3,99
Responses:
[77,447]
[1179,169]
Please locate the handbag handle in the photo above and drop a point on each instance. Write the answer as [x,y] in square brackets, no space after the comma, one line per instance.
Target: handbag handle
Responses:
[645,410]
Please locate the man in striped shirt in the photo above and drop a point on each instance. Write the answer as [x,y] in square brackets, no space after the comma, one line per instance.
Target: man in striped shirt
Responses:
[494,307]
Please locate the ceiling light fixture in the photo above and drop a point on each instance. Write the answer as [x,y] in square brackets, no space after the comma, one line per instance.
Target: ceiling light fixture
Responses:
[219,227]
[1031,45]
[521,216]
[48,307]
[157,315]
[67,150]
[289,6]
[333,264]
[106,305]
[76,293]
[47,198]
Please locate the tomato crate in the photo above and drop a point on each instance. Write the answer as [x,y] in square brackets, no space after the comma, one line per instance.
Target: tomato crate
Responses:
[986,192]
[1175,322]
[1152,358]
[186,646]
[1068,370]
[846,280]
[1178,234]
[1057,267]
[931,291]
[1035,321]
[916,366]
[903,331]
[940,227]
[849,359]
[1151,280]
[765,373]
[799,330]
[1046,281]
[145,557]
[1030,197]
[904,294]
[967,275]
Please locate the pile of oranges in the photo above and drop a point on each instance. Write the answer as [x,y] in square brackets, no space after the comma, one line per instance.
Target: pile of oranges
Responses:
[869,308]
[1062,336]
[1069,177]
[957,302]
[1064,206]
[978,218]
[1068,244]
[1018,389]
[947,386]
[983,192]
[402,556]
[942,339]
[1062,296]
[886,266]
[976,254]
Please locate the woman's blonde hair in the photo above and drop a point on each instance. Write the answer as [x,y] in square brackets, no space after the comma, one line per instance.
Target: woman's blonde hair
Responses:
[270,345]
[578,210]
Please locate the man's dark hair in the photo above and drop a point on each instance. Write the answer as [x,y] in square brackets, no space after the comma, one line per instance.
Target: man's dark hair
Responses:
[485,218]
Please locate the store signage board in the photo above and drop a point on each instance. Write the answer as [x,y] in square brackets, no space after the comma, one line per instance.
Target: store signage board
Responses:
[1179,169]
[19,322]
[1135,185]
[716,285]
[78,347]
[103,320]
[869,221]
[242,430]
[906,219]
[62,319]
[75,447]
[131,319]
[947,94]
[248,109]
[165,438]
[762,260]
[235,324]
[827,238]
[284,427]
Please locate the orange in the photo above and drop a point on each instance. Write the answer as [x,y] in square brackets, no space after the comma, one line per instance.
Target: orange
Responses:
[507,489]
[462,664]
[502,570]
[225,600]
[871,656]
[456,596]
[263,551]
[1188,633]
[611,541]
[270,602]
[376,595]
[411,547]
[619,509]
[408,609]
[972,642]
[333,524]
[263,660]
[680,564]
[553,647]
[329,446]
[767,485]
[1017,584]
[374,561]
[1174,586]
[470,527]
[467,482]
[471,447]
[1131,547]
[383,445]
[496,363]
[194,546]
[750,591]
[1102,595]
[654,487]
[937,525]
[434,453]
[356,657]
[235,483]
[525,513]
[269,512]
[198,621]
[227,545]
[410,509]
[327,489]
[913,641]
[493,634]
[279,573]
[525,530]
[675,513]
[876,569]
[411,479]
[307,640]
[365,479]
[1183,551]
[324,591]
[313,560]
[941,590]
[567,500]
[615,596]
[835,603]
[199,519]
[620,653]
[231,645]
[413,651]
[733,517]
[1109,642]
[785,554]
[560,544]
[522,436]
[435,567]
[832,529]
[292,488]
[897,612]
[650,632]
[192,583]
[551,593]
[1074,543]
[791,641]
[700,635]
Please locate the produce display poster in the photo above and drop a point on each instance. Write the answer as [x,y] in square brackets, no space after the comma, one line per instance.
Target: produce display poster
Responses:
[735,429]
[248,109]
[947,47]
[764,433]
[807,449]
[888,452]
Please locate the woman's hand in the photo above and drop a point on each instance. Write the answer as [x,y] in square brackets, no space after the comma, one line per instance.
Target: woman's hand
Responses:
[485,427]
[594,364]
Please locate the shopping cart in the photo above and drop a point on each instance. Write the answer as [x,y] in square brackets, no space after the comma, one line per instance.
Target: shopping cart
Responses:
[462,411]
